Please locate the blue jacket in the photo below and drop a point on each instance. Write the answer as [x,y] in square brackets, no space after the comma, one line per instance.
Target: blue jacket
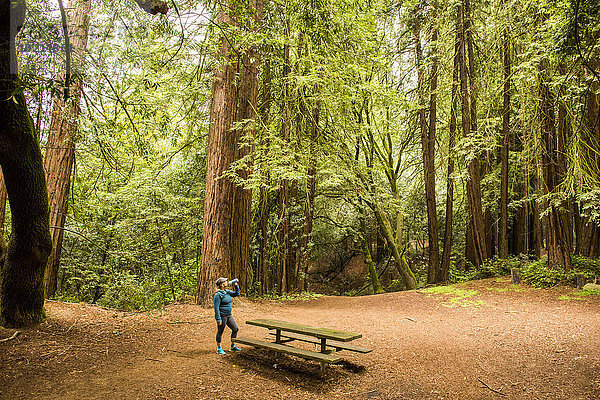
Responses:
[223,302]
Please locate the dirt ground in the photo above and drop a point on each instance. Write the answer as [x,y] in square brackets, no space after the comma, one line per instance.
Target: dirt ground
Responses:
[479,340]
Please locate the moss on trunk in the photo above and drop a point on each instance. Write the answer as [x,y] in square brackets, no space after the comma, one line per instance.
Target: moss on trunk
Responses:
[22,276]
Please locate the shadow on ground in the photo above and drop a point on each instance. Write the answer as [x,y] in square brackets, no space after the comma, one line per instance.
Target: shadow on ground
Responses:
[294,372]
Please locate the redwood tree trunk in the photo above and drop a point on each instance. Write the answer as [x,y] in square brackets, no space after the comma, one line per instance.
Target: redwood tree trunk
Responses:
[284,196]
[428,151]
[504,148]
[445,265]
[589,233]
[310,195]
[22,276]
[520,242]
[536,234]
[217,247]
[476,219]
[564,132]
[264,208]
[60,149]
[246,115]
[559,255]
[226,206]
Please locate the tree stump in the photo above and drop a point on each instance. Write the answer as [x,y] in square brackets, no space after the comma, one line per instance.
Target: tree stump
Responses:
[579,281]
[515,276]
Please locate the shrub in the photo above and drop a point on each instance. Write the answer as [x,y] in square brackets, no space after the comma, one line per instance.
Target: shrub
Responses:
[586,266]
[491,267]
[126,292]
[538,274]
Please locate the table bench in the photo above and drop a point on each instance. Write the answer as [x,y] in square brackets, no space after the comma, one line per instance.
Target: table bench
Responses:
[288,331]
[289,337]
[282,348]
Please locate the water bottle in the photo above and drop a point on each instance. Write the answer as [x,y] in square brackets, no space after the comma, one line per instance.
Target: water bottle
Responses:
[236,280]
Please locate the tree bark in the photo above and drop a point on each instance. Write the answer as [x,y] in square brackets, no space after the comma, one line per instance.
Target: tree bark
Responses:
[469,125]
[588,233]
[559,256]
[504,148]
[226,206]
[536,231]
[263,242]
[247,117]
[60,148]
[222,144]
[311,193]
[447,252]
[22,276]
[520,234]
[284,197]
[564,132]
[428,150]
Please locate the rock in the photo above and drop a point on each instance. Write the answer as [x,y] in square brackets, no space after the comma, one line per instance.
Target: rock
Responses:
[592,286]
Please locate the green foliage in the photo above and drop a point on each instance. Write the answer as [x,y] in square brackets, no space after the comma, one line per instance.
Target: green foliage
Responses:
[533,272]
[127,292]
[80,282]
[491,267]
[134,230]
[586,266]
[457,297]
[538,274]
[586,293]
[302,296]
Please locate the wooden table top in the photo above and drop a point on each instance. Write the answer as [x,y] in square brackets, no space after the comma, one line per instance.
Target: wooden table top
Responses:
[321,333]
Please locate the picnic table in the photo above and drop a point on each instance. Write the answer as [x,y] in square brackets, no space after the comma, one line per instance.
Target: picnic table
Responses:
[329,341]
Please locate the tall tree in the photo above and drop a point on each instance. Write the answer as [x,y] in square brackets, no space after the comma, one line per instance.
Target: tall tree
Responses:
[284,191]
[428,143]
[564,135]
[262,270]
[445,264]
[60,148]
[476,231]
[226,206]
[372,149]
[589,232]
[22,276]
[309,207]
[559,255]
[247,125]
[504,146]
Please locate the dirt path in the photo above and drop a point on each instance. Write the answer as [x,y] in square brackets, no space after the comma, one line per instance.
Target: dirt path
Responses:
[481,340]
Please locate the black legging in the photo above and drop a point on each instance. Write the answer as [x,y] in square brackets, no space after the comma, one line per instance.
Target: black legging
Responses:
[230,322]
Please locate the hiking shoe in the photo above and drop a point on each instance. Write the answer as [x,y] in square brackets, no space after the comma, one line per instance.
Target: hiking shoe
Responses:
[235,348]
[220,351]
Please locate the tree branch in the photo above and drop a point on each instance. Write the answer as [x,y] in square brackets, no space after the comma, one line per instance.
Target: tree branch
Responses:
[65,27]
[11,338]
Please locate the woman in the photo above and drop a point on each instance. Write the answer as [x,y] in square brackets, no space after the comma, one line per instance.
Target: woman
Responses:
[223,303]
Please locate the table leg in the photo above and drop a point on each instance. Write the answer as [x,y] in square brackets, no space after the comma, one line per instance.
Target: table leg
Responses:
[278,336]
[323,345]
